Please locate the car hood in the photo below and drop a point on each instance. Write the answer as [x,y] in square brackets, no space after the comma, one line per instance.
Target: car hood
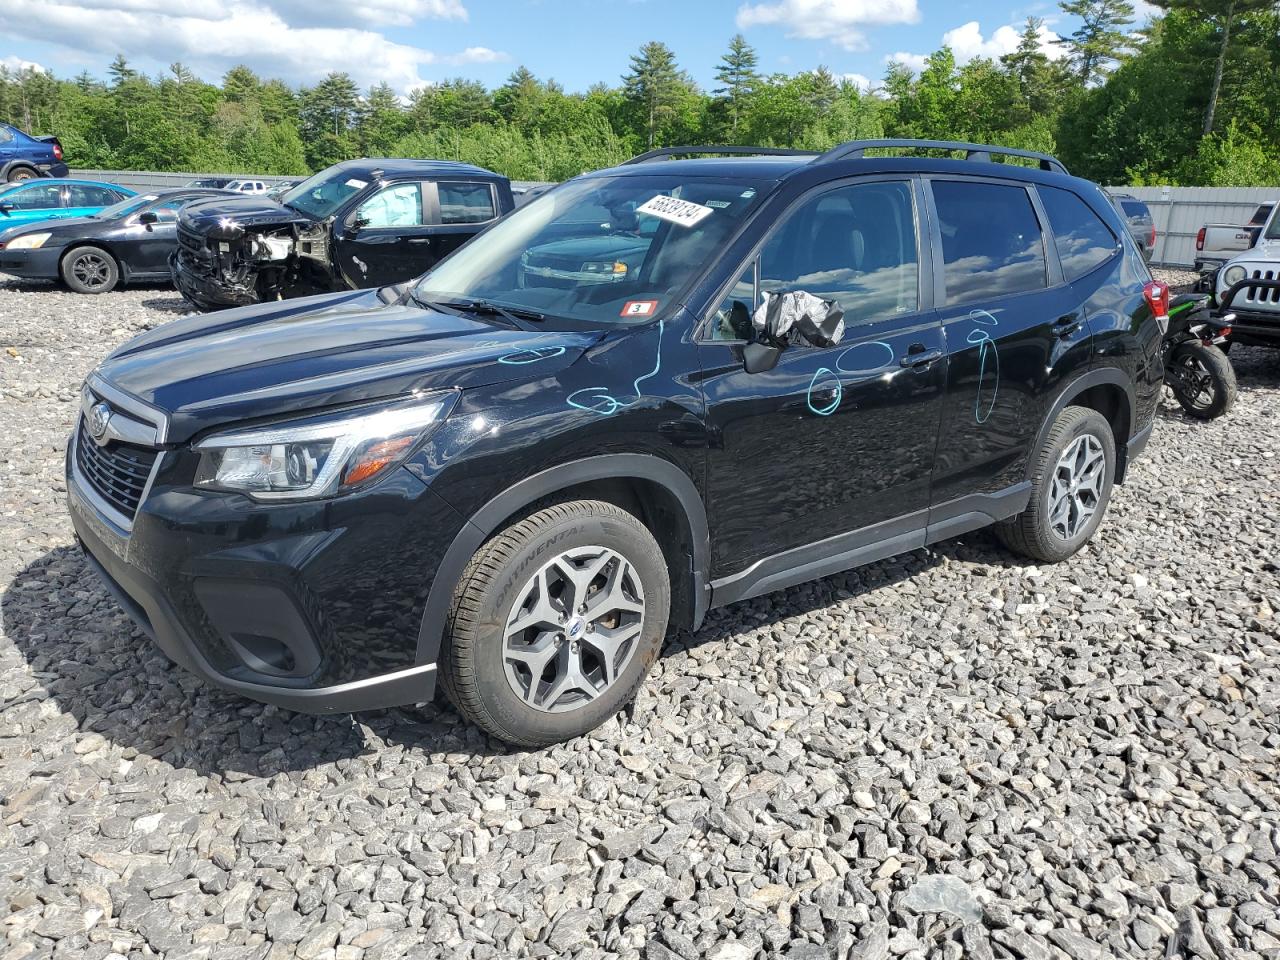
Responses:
[60,229]
[591,248]
[277,359]
[206,217]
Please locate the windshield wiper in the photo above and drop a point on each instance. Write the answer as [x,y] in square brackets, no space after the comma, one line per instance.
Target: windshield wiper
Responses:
[518,317]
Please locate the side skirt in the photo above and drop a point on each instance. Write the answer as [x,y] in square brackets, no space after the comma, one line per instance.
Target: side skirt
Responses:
[869,544]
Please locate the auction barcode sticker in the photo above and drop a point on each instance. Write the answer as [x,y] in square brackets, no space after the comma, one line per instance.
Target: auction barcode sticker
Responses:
[684,212]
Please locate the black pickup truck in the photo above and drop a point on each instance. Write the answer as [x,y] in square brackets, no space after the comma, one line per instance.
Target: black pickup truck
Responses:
[361,223]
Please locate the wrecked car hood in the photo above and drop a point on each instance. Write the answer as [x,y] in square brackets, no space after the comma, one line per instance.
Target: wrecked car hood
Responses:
[209,217]
[280,358]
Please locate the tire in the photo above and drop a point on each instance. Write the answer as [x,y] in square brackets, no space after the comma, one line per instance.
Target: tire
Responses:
[90,270]
[1203,380]
[1042,533]
[1224,346]
[21,175]
[488,661]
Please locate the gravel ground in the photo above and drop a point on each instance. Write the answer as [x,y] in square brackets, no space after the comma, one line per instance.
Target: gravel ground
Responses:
[953,753]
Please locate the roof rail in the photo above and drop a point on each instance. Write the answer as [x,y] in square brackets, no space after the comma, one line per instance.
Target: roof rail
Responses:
[663,153]
[855,149]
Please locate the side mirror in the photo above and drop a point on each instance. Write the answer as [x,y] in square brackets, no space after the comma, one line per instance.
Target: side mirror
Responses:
[760,357]
[5,208]
[149,219]
[356,224]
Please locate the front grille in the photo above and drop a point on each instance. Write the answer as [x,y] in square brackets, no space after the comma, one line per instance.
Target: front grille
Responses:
[1262,294]
[117,472]
[193,242]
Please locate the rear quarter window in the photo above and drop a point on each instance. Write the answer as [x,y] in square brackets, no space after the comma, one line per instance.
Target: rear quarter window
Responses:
[1083,240]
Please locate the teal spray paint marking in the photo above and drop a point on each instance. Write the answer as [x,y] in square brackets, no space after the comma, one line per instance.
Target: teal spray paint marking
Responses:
[532,355]
[988,357]
[817,381]
[604,403]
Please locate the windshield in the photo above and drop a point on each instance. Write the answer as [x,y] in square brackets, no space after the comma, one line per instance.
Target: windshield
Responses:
[611,250]
[322,195]
[1273,231]
[122,208]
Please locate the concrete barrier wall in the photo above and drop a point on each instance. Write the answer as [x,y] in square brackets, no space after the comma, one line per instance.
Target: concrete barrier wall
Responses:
[143,180]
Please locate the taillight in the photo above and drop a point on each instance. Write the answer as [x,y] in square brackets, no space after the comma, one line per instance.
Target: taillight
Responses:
[57,151]
[1157,296]
[1200,239]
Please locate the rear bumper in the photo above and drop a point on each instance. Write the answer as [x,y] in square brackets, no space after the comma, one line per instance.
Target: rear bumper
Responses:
[57,169]
[40,264]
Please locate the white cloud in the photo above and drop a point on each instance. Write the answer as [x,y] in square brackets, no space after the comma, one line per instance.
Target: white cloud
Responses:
[211,36]
[393,13]
[968,43]
[18,65]
[916,61]
[838,21]
[858,80]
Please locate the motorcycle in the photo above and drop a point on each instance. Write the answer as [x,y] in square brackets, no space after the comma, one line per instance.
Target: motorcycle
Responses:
[1196,367]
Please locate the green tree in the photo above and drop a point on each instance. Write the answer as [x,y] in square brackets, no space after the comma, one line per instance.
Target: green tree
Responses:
[738,78]
[653,87]
[1223,15]
[1100,39]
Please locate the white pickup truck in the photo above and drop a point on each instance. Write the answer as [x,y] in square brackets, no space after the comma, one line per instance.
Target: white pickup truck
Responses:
[1247,288]
[1218,242]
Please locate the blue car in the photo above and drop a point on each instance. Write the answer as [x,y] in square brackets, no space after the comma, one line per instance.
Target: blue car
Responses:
[24,157]
[32,201]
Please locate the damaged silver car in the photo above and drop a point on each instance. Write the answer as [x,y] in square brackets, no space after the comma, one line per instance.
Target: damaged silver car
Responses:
[361,223]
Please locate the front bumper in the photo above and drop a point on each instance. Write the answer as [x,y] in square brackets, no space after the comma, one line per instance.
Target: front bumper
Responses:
[218,581]
[204,289]
[38,264]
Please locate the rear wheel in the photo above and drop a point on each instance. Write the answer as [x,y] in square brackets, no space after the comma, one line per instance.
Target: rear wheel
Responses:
[1070,488]
[90,270]
[555,622]
[21,174]
[1202,380]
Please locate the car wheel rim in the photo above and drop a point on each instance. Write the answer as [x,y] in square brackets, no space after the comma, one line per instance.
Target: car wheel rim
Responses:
[1197,383]
[574,629]
[91,270]
[1076,490]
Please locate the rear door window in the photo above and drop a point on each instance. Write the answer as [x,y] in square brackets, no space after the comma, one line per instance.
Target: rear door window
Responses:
[87,195]
[1082,238]
[6,135]
[466,202]
[1132,208]
[991,240]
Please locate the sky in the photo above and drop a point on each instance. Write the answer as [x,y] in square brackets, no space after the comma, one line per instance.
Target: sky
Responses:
[409,43]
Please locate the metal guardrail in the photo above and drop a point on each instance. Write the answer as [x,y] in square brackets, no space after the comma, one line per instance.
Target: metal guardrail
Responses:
[147,180]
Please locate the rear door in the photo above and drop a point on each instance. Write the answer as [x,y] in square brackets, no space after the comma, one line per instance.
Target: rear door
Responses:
[84,199]
[1014,330]
[462,208]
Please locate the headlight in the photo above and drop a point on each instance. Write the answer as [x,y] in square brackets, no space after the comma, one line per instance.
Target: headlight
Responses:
[613,268]
[317,457]
[28,241]
[1233,275]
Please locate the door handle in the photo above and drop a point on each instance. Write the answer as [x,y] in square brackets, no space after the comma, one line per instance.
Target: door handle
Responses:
[920,358]
[1067,325]
[419,239]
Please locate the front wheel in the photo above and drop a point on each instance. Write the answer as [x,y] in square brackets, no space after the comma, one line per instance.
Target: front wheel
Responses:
[1071,484]
[1202,380]
[90,270]
[555,622]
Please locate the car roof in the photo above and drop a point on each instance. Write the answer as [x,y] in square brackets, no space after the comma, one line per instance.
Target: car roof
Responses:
[394,168]
[45,181]
[806,170]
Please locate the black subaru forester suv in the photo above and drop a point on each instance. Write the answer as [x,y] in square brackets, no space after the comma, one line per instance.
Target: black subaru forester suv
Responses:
[517,480]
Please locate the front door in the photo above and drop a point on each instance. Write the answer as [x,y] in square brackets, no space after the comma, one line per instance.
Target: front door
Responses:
[31,203]
[385,238]
[147,246]
[836,439]
[1013,329]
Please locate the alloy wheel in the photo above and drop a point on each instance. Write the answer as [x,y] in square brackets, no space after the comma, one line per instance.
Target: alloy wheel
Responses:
[1195,382]
[91,270]
[1076,490]
[574,628]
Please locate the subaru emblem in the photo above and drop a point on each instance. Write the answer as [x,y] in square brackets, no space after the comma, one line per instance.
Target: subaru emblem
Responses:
[99,419]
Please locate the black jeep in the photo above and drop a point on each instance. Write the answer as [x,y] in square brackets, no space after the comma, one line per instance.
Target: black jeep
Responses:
[361,223]
[516,481]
